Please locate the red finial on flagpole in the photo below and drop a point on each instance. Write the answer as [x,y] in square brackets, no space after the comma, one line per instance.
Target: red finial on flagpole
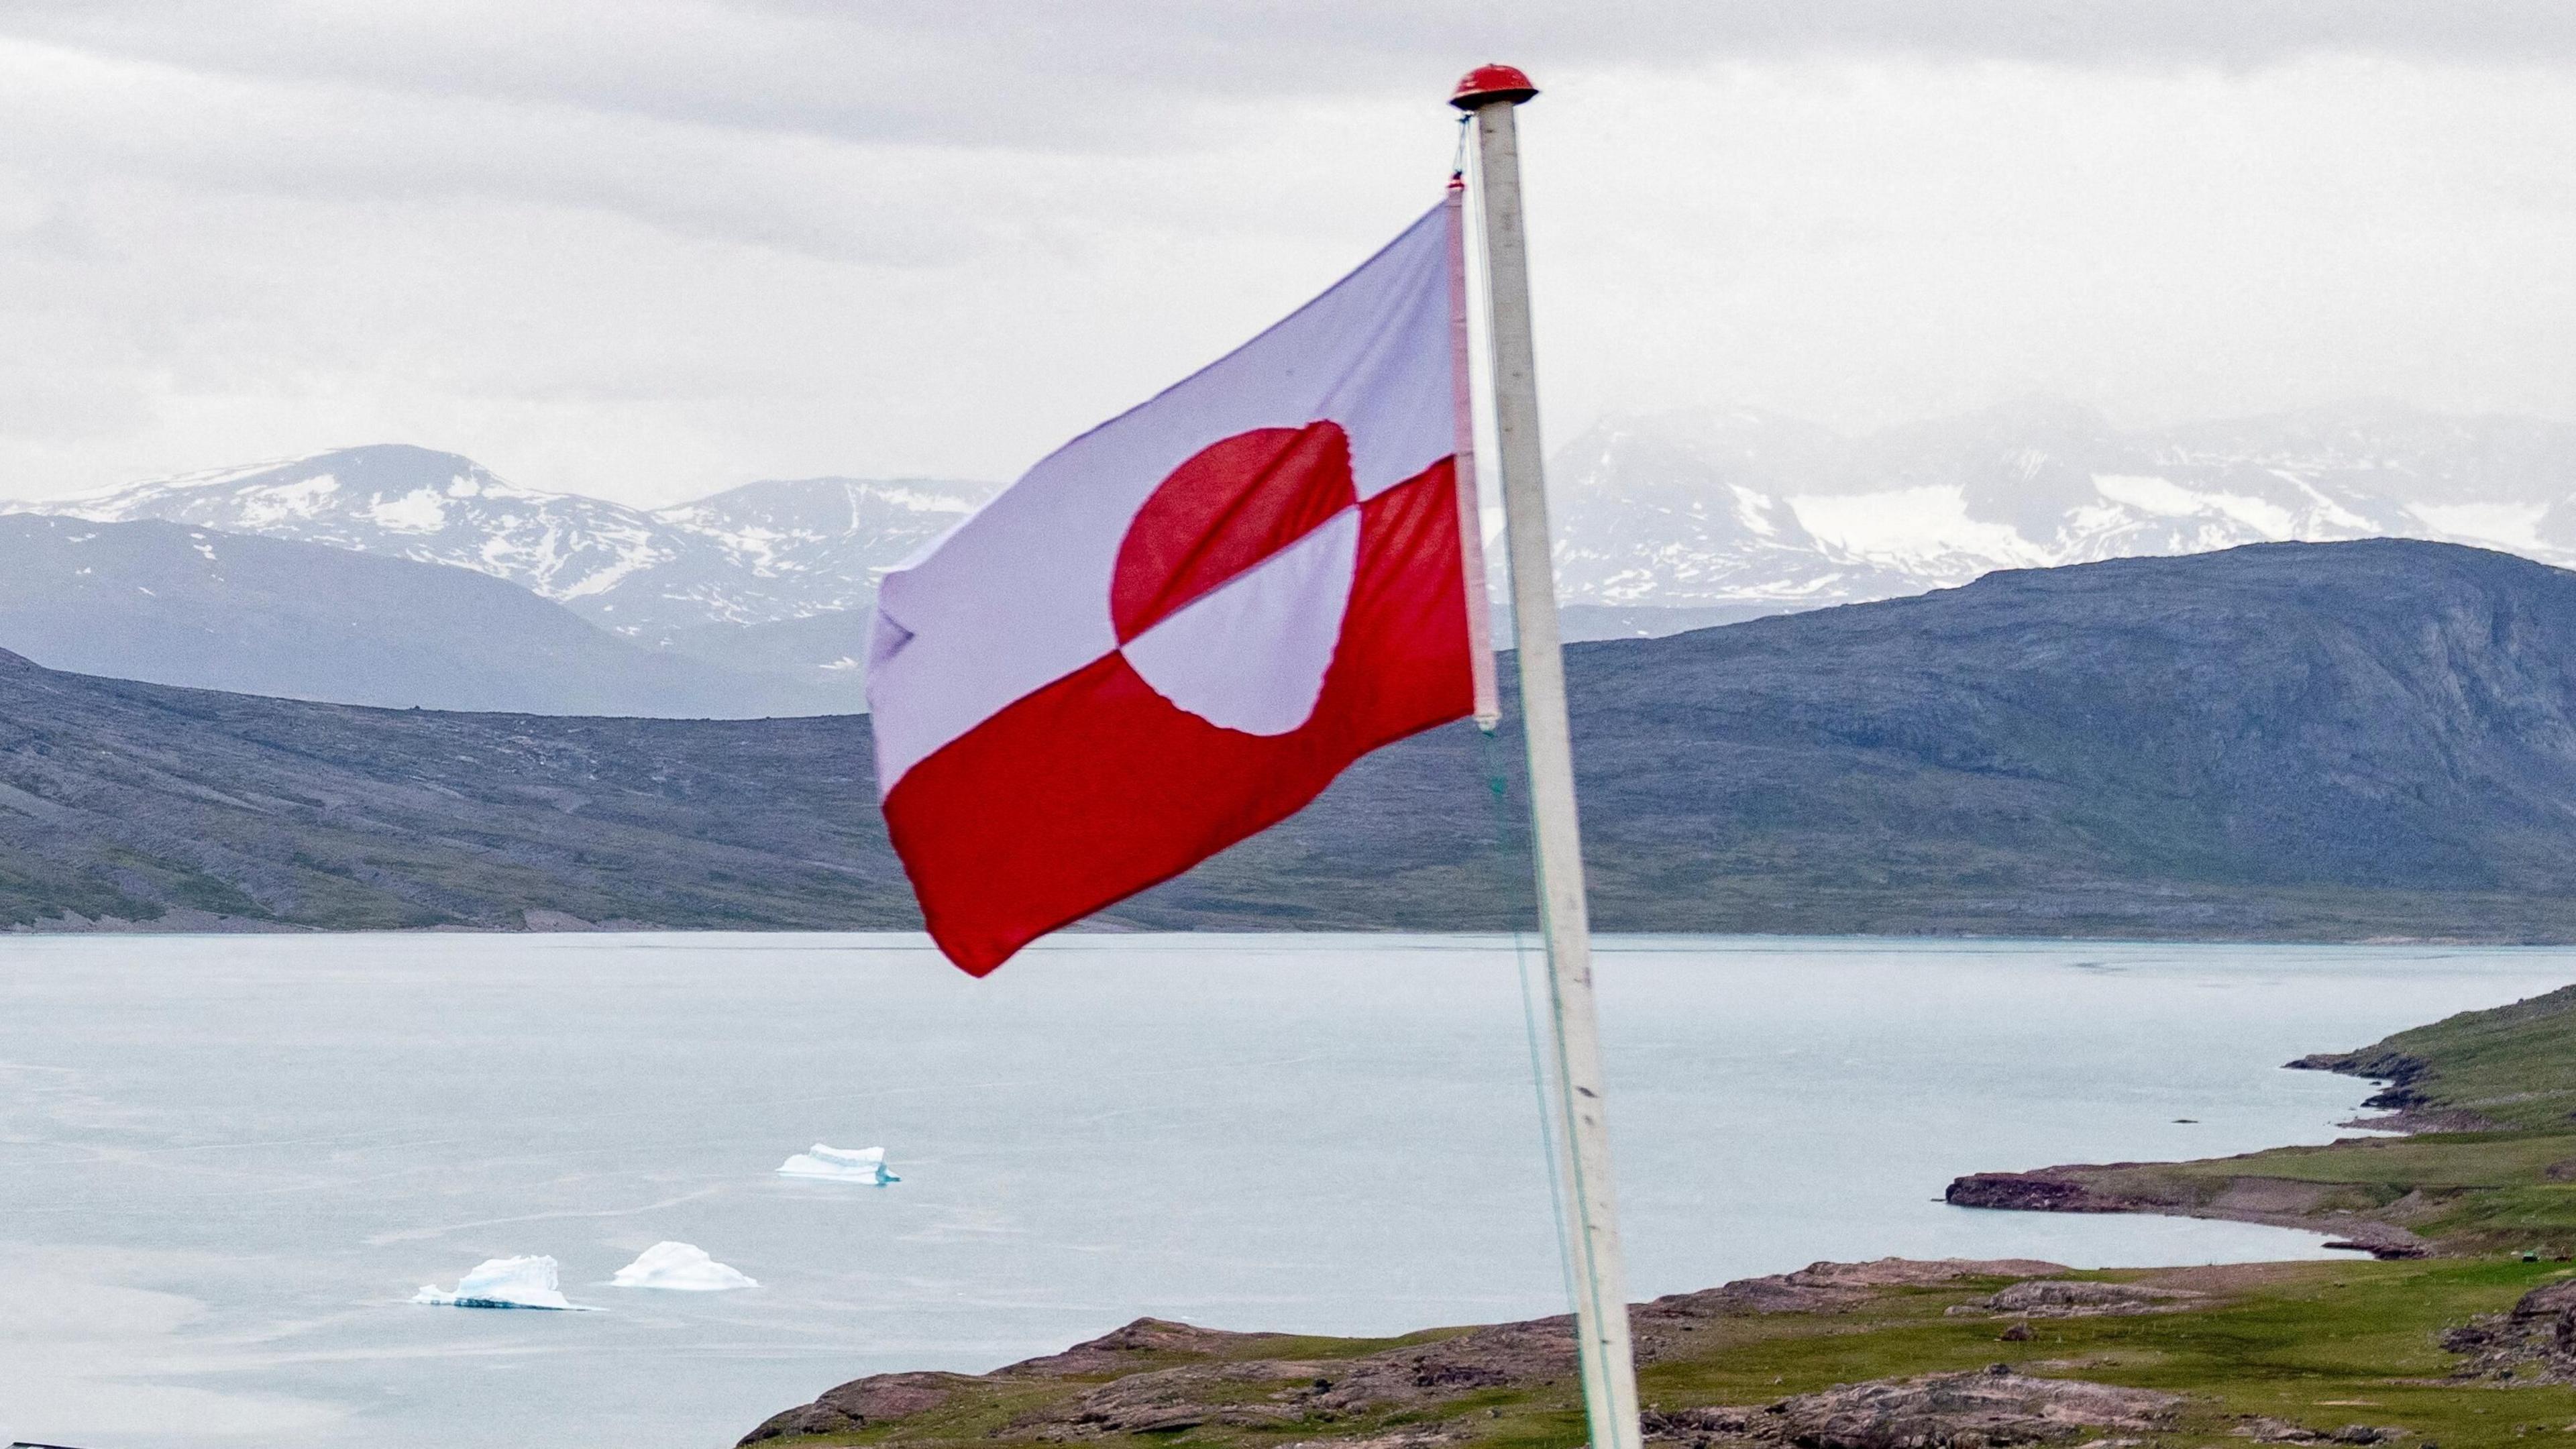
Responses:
[1487,84]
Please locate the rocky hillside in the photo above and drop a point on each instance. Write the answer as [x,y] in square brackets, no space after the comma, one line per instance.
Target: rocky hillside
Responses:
[187,808]
[1892,1354]
[2287,741]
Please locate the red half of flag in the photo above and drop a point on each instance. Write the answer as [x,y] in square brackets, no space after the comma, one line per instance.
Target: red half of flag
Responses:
[1175,630]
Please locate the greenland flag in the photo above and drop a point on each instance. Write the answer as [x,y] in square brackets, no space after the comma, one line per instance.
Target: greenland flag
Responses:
[1176,629]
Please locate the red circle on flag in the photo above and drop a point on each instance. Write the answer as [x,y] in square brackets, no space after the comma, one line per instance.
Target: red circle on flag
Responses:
[1234,503]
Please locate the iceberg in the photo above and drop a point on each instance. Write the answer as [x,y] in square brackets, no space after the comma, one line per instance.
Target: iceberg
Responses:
[681,1267]
[524,1282]
[840,1164]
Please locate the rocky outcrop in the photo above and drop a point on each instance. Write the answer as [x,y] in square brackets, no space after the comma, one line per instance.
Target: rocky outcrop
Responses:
[1821,1288]
[2408,1106]
[1157,1376]
[1140,1345]
[2534,1341]
[2250,1198]
[861,1404]
[2078,1300]
[2044,1191]
[1994,1407]
[2263,1429]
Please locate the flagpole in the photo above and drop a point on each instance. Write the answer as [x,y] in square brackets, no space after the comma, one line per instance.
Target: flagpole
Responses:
[1490,93]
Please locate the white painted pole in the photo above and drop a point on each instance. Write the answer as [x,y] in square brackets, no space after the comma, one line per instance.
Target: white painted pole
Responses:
[1600,1301]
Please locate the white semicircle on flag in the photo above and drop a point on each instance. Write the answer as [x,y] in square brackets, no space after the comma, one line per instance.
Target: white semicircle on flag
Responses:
[1250,654]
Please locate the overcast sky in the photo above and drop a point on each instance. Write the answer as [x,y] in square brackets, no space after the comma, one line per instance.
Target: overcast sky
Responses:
[652,248]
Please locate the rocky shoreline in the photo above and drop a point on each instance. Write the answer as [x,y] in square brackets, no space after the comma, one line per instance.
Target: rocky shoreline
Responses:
[2468,1203]
[2252,1196]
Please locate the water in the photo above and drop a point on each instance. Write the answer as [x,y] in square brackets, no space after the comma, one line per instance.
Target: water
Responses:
[225,1162]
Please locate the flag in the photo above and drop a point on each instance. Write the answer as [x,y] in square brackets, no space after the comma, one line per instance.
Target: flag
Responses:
[1177,629]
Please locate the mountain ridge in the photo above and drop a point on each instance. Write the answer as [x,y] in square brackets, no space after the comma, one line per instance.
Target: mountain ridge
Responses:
[2311,742]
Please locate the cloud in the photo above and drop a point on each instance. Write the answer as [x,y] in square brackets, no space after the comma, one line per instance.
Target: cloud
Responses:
[1047,74]
[656,247]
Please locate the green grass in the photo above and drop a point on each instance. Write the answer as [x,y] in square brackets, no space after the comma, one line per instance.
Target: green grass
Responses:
[2446,1159]
[2319,1344]
[2514,1065]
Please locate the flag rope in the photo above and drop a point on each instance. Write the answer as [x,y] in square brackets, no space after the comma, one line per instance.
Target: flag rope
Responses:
[1498,788]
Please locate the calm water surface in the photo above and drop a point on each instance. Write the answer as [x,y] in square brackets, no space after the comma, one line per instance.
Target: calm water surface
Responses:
[225,1162]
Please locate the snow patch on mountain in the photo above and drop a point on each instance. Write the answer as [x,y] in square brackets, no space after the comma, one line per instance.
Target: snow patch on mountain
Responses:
[760,553]
[419,511]
[2513,527]
[1742,509]
[1923,532]
[2165,498]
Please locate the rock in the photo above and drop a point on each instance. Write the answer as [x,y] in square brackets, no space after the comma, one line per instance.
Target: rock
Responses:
[1254,1392]
[1996,1406]
[860,1404]
[2552,1301]
[2071,1300]
[2264,1429]
[2534,1341]
[2383,1251]
[1137,1346]
[2018,1333]
[1718,1421]
[2029,1192]
[1826,1288]
[2070,1188]
[1170,1400]
[1992,1406]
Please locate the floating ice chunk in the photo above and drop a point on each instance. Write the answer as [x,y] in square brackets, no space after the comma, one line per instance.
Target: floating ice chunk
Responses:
[525,1282]
[840,1164]
[682,1267]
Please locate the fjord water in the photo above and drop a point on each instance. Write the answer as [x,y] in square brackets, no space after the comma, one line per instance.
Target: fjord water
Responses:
[225,1162]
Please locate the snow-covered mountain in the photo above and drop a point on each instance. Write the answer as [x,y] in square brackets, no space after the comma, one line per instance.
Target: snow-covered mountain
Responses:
[1648,513]
[772,552]
[1745,509]
[1663,523]
[755,554]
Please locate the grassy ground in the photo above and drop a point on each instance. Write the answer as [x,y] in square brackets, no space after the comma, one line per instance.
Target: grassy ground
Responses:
[2321,1345]
[2514,1066]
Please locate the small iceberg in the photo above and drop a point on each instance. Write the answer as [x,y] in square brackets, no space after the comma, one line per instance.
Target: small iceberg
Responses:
[526,1282]
[682,1268]
[840,1164]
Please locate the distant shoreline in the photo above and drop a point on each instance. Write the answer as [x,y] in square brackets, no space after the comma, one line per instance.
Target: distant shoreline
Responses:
[2477,1145]
[198,923]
